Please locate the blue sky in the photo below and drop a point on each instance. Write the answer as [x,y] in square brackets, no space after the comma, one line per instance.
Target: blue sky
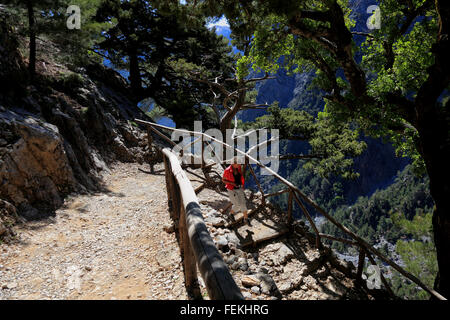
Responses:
[221,23]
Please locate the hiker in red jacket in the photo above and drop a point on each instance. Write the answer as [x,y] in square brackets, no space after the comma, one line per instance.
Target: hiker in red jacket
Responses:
[233,177]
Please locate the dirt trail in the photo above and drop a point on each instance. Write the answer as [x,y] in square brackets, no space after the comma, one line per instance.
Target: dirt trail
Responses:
[110,245]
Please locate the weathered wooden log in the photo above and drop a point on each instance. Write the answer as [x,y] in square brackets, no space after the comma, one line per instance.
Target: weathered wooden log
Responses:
[267,238]
[195,175]
[273,194]
[200,188]
[218,280]
[347,241]
[263,198]
[289,212]
[228,206]
[189,263]
[311,221]
[361,260]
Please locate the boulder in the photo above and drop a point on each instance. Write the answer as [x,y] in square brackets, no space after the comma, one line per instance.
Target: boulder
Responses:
[247,295]
[255,290]
[267,283]
[243,264]
[222,242]
[249,281]
[284,254]
[233,239]
[278,254]
[285,287]
[35,169]
[235,265]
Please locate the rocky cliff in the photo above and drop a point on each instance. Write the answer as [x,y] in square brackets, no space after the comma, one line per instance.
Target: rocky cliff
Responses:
[58,133]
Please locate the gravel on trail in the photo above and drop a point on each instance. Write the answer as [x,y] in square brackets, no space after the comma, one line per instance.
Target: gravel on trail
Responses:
[107,245]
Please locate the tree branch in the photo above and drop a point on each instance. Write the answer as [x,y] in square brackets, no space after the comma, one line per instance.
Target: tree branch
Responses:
[301,156]
[255,106]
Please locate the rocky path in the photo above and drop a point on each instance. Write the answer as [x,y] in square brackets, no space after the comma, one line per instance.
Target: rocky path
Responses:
[110,245]
[286,267]
[120,244]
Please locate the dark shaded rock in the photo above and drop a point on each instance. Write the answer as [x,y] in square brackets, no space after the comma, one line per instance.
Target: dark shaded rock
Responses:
[8,215]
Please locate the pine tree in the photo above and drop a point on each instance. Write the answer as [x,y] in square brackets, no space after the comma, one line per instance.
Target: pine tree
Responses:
[155,45]
[30,7]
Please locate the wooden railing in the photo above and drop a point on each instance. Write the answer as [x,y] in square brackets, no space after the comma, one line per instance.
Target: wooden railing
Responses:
[297,196]
[196,244]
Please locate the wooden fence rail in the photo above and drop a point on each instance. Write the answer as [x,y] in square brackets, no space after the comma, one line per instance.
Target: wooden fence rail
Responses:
[295,194]
[197,246]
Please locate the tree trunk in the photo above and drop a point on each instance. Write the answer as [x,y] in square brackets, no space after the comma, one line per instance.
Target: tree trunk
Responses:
[32,35]
[434,146]
[433,124]
[135,74]
[227,119]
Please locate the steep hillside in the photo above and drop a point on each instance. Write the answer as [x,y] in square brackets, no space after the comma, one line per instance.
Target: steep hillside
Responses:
[59,133]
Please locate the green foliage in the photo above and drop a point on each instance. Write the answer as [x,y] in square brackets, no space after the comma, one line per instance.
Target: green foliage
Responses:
[163,45]
[157,113]
[418,254]
[337,145]
[373,217]
[75,46]
[332,145]
[72,79]
[395,58]
[403,74]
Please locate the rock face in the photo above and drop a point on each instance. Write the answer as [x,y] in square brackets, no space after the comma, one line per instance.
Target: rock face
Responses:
[59,134]
[34,167]
[7,216]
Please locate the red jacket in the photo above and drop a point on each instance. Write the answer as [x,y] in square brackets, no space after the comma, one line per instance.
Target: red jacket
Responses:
[228,175]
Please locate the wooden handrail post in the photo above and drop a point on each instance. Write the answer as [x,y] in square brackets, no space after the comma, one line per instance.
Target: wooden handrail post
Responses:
[150,148]
[167,174]
[263,198]
[318,242]
[189,263]
[289,213]
[361,260]
[311,222]
[176,197]
[202,150]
